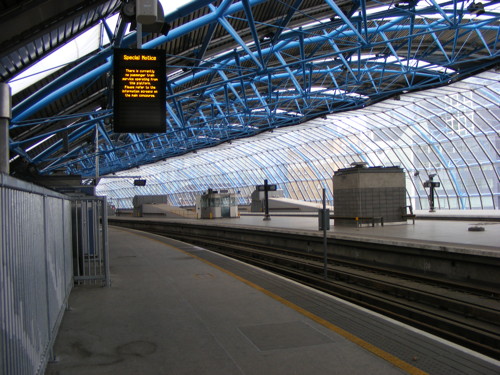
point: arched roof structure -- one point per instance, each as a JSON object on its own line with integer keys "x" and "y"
{"x": 238, "y": 68}
{"x": 452, "y": 132}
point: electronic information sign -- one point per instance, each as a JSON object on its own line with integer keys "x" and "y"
{"x": 139, "y": 91}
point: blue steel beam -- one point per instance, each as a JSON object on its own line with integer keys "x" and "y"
{"x": 180, "y": 119}
{"x": 363, "y": 17}
{"x": 18, "y": 110}
{"x": 392, "y": 26}
{"x": 108, "y": 31}
{"x": 442, "y": 12}
{"x": 74, "y": 78}
{"x": 231, "y": 87}
{"x": 60, "y": 92}
{"x": 253, "y": 30}
{"x": 61, "y": 162}
{"x": 57, "y": 131}
{"x": 121, "y": 28}
{"x": 59, "y": 144}
{"x": 346, "y": 20}
{"x": 208, "y": 36}
{"x": 287, "y": 68}
{"x": 362, "y": 69}
{"x": 283, "y": 23}
{"x": 240, "y": 41}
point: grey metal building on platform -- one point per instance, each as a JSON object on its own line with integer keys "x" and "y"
{"x": 362, "y": 192}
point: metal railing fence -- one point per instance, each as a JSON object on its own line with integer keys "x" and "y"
{"x": 90, "y": 245}
{"x": 36, "y": 273}
{"x": 48, "y": 243}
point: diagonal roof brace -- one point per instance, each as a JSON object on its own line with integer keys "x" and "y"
{"x": 240, "y": 41}
{"x": 344, "y": 18}
{"x": 253, "y": 30}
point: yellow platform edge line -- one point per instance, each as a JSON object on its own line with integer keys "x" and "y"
{"x": 410, "y": 369}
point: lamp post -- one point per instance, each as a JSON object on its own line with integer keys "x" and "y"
{"x": 432, "y": 185}
{"x": 324, "y": 224}
{"x": 266, "y": 188}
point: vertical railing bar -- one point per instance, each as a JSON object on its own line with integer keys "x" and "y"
{"x": 76, "y": 242}
{"x": 3, "y": 308}
{"x": 7, "y": 315}
{"x": 94, "y": 231}
{"x": 15, "y": 327}
{"x": 63, "y": 244}
{"x": 79, "y": 219}
{"x": 79, "y": 231}
{"x": 105, "y": 242}
{"x": 89, "y": 241}
{"x": 96, "y": 237}
{"x": 96, "y": 240}
{"x": 100, "y": 236}
{"x": 96, "y": 250}
{"x": 80, "y": 238}
{"x": 12, "y": 254}
{"x": 23, "y": 241}
{"x": 85, "y": 234}
{"x": 46, "y": 250}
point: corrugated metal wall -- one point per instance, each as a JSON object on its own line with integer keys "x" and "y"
{"x": 37, "y": 273}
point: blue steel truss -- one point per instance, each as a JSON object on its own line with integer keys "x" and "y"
{"x": 284, "y": 69}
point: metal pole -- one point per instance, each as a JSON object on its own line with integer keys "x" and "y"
{"x": 5, "y": 116}
{"x": 431, "y": 192}
{"x": 266, "y": 199}
{"x": 432, "y": 198}
{"x": 96, "y": 154}
{"x": 325, "y": 245}
{"x": 107, "y": 277}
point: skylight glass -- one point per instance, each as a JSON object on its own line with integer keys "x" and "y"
{"x": 81, "y": 46}
{"x": 170, "y": 6}
{"x": 78, "y": 48}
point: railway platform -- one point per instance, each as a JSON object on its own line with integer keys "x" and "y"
{"x": 448, "y": 229}
{"x": 175, "y": 308}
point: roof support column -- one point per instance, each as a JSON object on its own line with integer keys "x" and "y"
{"x": 5, "y": 116}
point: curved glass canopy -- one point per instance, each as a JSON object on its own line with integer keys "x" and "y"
{"x": 451, "y": 131}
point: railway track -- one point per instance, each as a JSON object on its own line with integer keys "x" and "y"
{"x": 466, "y": 314}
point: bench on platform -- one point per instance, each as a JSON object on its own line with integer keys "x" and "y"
{"x": 407, "y": 213}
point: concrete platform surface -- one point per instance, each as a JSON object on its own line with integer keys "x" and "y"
{"x": 170, "y": 310}
{"x": 446, "y": 231}
{"x": 452, "y": 234}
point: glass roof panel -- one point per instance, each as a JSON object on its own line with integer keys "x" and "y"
{"x": 443, "y": 131}
{"x": 81, "y": 46}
